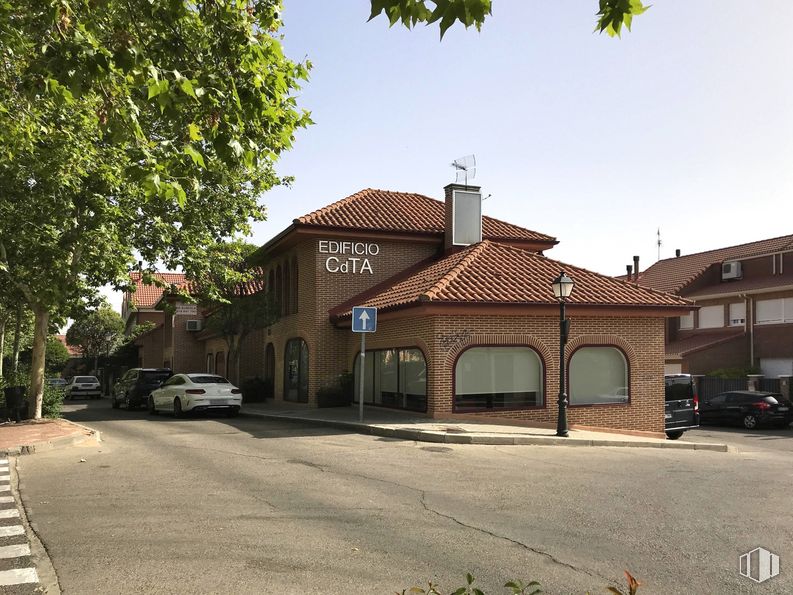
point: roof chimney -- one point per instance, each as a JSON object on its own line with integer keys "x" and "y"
{"x": 629, "y": 269}
{"x": 463, "y": 215}
{"x": 677, "y": 253}
{"x": 635, "y": 268}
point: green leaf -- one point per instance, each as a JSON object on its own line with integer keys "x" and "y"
{"x": 194, "y": 131}
{"x": 187, "y": 87}
{"x": 235, "y": 146}
{"x": 197, "y": 158}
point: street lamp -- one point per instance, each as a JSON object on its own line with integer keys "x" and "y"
{"x": 562, "y": 288}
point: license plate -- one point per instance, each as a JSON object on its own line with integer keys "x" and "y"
{"x": 668, "y": 416}
{"x": 782, "y": 408}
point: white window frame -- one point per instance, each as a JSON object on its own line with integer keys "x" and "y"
{"x": 580, "y": 389}
{"x": 737, "y": 312}
{"x": 687, "y": 321}
{"x": 713, "y": 315}
{"x": 783, "y": 311}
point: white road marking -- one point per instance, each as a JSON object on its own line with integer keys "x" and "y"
{"x": 18, "y": 576}
{"x": 5, "y": 478}
{"x": 14, "y": 551}
{"x": 3, "y": 461}
{"x": 5, "y": 488}
{"x": 9, "y": 513}
{"x": 4, "y": 467}
{"x": 12, "y": 530}
{"x": 6, "y": 499}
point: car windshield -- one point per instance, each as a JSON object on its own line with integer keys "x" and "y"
{"x": 208, "y": 380}
{"x": 86, "y": 379}
{"x": 56, "y": 381}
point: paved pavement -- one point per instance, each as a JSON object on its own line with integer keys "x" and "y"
{"x": 17, "y": 570}
{"x": 246, "y": 505}
{"x": 27, "y": 437}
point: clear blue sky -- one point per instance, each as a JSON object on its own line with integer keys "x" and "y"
{"x": 684, "y": 124}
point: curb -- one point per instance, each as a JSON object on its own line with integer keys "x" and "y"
{"x": 483, "y": 439}
{"x": 59, "y": 442}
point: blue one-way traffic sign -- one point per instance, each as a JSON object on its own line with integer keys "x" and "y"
{"x": 364, "y": 320}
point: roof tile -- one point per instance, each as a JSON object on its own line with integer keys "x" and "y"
{"x": 147, "y": 296}
{"x": 387, "y": 210}
{"x": 493, "y": 273}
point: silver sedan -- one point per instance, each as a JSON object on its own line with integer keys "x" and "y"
{"x": 195, "y": 392}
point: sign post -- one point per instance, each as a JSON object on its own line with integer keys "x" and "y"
{"x": 364, "y": 320}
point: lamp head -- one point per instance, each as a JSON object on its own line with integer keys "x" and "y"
{"x": 562, "y": 286}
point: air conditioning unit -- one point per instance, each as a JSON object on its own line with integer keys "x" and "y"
{"x": 193, "y": 325}
{"x": 731, "y": 270}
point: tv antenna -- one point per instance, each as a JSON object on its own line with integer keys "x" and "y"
{"x": 659, "y": 243}
{"x": 465, "y": 168}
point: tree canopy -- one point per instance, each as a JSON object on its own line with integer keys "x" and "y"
{"x": 611, "y": 14}
{"x": 96, "y": 332}
{"x": 138, "y": 129}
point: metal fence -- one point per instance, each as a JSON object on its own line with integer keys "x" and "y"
{"x": 770, "y": 385}
{"x": 710, "y": 386}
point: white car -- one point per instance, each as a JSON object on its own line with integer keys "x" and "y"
{"x": 82, "y": 386}
{"x": 195, "y": 392}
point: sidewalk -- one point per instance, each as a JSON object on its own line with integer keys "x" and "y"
{"x": 31, "y": 436}
{"x": 400, "y": 424}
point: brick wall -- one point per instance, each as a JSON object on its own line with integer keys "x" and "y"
{"x": 443, "y": 338}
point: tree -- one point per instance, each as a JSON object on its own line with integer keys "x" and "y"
{"x": 612, "y": 14}
{"x": 237, "y": 297}
{"x": 56, "y": 355}
{"x": 96, "y": 332}
{"x": 139, "y": 130}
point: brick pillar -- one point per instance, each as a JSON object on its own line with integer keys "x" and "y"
{"x": 753, "y": 381}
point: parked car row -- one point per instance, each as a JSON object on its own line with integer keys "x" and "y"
{"x": 159, "y": 389}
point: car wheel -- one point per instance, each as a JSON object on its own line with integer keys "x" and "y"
{"x": 177, "y": 407}
{"x": 750, "y": 421}
{"x": 113, "y": 403}
{"x": 152, "y": 408}
{"x": 674, "y": 434}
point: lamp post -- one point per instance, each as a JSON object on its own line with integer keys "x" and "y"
{"x": 562, "y": 288}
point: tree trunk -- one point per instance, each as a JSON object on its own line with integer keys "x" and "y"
{"x": 17, "y": 332}
{"x": 2, "y": 343}
{"x": 40, "y": 327}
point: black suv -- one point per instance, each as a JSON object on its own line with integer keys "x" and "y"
{"x": 750, "y": 409}
{"x": 682, "y": 404}
{"x": 134, "y": 387}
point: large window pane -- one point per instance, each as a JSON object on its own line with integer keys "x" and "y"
{"x": 498, "y": 378}
{"x": 711, "y": 317}
{"x": 770, "y": 311}
{"x": 393, "y": 378}
{"x": 296, "y": 371}
{"x": 598, "y": 375}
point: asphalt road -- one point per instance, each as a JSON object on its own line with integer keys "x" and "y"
{"x": 214, "y": 505}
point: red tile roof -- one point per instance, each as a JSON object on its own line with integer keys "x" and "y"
{"x": 493, "y": 273}
{"x": 387, "y": 210}
{"x": 673, "y": 274}
{"x": 686, "y": 345}
{"x": 73, "y": 350}
{"x": 147, "y": 296}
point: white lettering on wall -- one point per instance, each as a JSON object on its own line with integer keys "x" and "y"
{"x": 348, "y": 260}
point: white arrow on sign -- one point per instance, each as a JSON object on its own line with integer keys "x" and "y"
{"x": 364, "y": 318}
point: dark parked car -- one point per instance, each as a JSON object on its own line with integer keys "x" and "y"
{"x": 134, "y": 387}
{"x": 748, "y": 408}
{"x": 682, "y": 404}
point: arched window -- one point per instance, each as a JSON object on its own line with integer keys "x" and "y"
{"x": 279, "y": 289}
{"x": 296, "y": 371}
{"x": 210, "y": 361}
{"x": 294, "y": 285}
{"x": 498, "y": 378}
{"x": 269, "y": 371}
{"x": 287, "y": 289}
{"x": 393, "y": 378}
{"x": 598, "y": 375}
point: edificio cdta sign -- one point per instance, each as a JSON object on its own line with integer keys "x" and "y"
{"x": 348, "y": 257}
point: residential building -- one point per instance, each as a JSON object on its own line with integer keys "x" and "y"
{"x": 468, "y": 324}
{"x": 744, "y": 317}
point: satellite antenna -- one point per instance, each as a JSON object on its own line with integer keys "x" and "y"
{"x": 465, "y": 167}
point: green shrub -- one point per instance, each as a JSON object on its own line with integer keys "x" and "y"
{"x": 733, "y": 372}
{"x": 51, "y": 403}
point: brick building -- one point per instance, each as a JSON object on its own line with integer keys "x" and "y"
{"x": 744, "y": 317}
{"x": 468, "y": 324}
